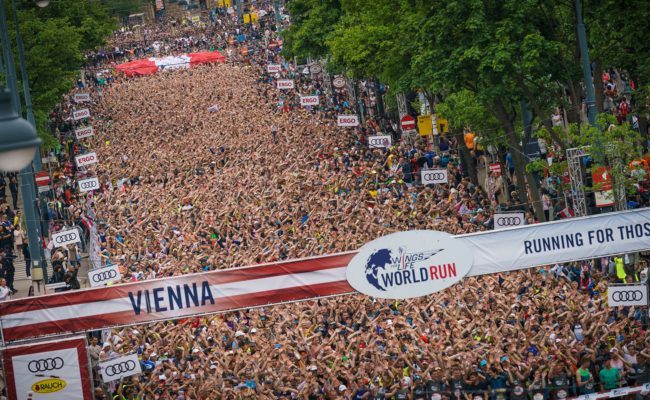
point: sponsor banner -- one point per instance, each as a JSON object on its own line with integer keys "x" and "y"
{"x": 50, "y": 370}
{"x": 177, "y": 297}
{"x": 81, "y": 114}
{"x": 627, "y": 295}
{"x": 285, "y": 84}
{"x": 347, "y": 120}
{"x": 338, "y": 82}
{"x": 119, "y": 368}
{"x": 380, "y": 141}
{"x": 66, "y": 237}
{"x": 432, "y": 176}
{"x": 81, "y": 97}
{"x": 309, "y": 100}
{"x": 559, "y": 241}
{"x": 86, "y": 131}
{"x": 273, "y": 68}
{"x": 408, "y": 264}
{"x": 315, "y": 69}
{"x": 238, "y": 288}
{"x": 86, "y": 185}
{"x": 509, "y": 220}
{"x": 86, "y": 159}
{"x": 104, "y": 276}
{"x": 496, "y": 168}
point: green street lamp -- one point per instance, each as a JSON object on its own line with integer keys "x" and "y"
{"x": 18, "y": 138}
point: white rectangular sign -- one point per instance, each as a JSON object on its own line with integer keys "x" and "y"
{"x": 66, "y": 237}
{"x": 285, "y": 84}
{"x": 86, "y": 159}
{"x": 81, "y": 97}
{"x": 273, "y": 68}
{"x": 309, "y": 100}
{"x": 120, "y": 367}
{"x": 635, "y": 294}
{"x": 86, "y": 131}
{"x": 81, "y": 114}
{"x": 380, "y": 141}
{"x": 558, "y": 241}
{"x": 103, "y": 276}
{"x": 86, "y": 185}
{"x": 432, "y": 176}
{"x": 53, "y": 374}
{"x": 347, "y": 120}
{"x": 508, "y": 220}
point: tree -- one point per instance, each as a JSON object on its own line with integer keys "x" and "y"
{"x": 312, "y": 22}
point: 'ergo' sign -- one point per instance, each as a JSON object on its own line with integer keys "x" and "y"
{"x": 86, "y": 131}
{"x": 309, "y": 100}
{"x": 285, "y": 84}
{"x": 347, "y": 120}
{"x": 86, "y": 159}
{"x": 273, "y": 68}
{"x": 81, "y": 114}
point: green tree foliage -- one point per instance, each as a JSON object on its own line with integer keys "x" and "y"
{"x": 55, "y": 39}
{"x": 312, "y": 22}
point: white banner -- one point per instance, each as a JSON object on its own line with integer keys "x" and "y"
{"x": 81, "y": 114}
{"x": 309, "y": 100}
{"x": 104, "y": 276}
{"x": 48, "y": 370}
{"x": 559, "y": 241}
{"x": 84, "y": 132}
{"x": 273, "y": 68}
{"x": 86, "y": 185}
{"x": 433, "y": 176}
{"x": 86, "y": 159}
{"x": 121, "y": 367}
{"x": 380, "y": 141}
{"x": 627, "y": 295}
{"x": 509, "y": 220}
{"x": 81, "y": 97}
{"x": 347, "y": 120}
{"x": 285, "y": 84}
{"x": 66, "y": 237}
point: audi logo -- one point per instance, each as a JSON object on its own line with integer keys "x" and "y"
{"x": 88, "y": 185}
{"x": 66, "y": 238}
{"x": 433, "y": 176}
{"x": 45, "y": 364}
{"x": 104, "y": 275}
{"x": 627, "y": 295}
{"x": 508, "y": 221}
{"x": 379, "y": 142}
{"x": 119, "y": 368}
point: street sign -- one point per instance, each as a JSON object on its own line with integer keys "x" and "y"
{"x": 42, "y": 178}
{"x": 495, "y": 168}
{"x": 408, "y": 123}
{"x": 604, "y": 192}
{"x": 425, "y": 125}
{"x": 338, "y": 82}
{"x": 635, "y": 294}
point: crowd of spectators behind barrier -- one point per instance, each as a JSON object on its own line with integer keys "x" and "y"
{"x": 257, "y": 178}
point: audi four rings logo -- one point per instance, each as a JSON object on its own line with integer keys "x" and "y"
{"x": 45, "y": 364}
{"x": 66, "y": 238}
{"x": 509, "y": 221}
{"x": 434, "y": 176}
{"x": 88, "y": 184}
{"x": 119, "y": 368}
{"x": 104, "y": 275}
{"x": 627, "y": 295}
{"x": 382, "y": 142}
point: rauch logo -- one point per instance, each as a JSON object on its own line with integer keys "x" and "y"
{"x": 409, "y": 264}
{"x": 49, "y": 385}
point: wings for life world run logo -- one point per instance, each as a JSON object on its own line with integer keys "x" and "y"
{"x": 409, "y": 264}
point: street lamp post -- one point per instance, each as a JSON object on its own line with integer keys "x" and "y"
{"x": 32, "y": 216}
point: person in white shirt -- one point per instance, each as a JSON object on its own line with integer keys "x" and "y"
{"x": 5, "y": 292}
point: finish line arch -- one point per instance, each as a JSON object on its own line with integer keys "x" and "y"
{"x": 307, "y": 279}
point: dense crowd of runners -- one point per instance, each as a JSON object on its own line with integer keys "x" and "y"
{"x": 213, "y": 167}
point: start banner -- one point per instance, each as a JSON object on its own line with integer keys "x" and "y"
{"x": 397, "y": 265}
{"x": 49, "y": 370}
